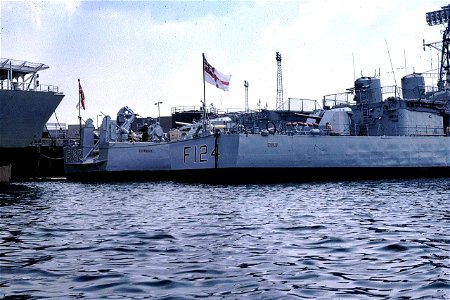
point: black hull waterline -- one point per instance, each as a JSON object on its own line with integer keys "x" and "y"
{"x": 32, "y": 162}
{"x": 263, "y": 175}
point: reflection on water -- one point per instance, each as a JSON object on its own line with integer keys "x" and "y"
{"x": 346, "y": 240}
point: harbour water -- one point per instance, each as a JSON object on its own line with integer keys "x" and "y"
{"x": 380, "y": 239}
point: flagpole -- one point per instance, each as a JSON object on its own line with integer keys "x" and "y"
{"x": 204, "y": 95}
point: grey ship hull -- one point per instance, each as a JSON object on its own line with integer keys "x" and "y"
{"x": 273, "y": 158}
{"x": 23, "y": 115}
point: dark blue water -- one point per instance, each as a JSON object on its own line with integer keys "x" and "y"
{"x": 331, "y": 240}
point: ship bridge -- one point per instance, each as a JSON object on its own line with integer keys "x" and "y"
{"x": 22, "y": 75}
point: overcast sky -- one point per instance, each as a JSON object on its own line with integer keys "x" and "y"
{"x": 136, "y": 53}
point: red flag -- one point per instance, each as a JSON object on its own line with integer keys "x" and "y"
{"x": 81, "y": 94}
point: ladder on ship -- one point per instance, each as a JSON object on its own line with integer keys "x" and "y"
{"x": 365, "y": 119}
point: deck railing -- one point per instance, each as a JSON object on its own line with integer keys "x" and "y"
{"x": 26, "y": 86}
{"x": 348, "y": 98}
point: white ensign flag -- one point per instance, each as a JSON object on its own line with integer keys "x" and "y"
{"x": 214, "y": 77}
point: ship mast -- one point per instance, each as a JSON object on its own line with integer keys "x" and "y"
{"x": 437, "y": 18}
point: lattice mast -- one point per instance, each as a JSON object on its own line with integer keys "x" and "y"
{"x": 246, "y": 95}
{"x": 280, "y": 102}
{"x": 437, "y": 18}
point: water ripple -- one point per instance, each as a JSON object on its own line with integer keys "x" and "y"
{"x": 329, "y": 240}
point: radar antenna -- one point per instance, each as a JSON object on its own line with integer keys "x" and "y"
{"x": 437, "y": 18}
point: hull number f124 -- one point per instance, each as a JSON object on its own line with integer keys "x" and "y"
{"x": 196, "y": 154}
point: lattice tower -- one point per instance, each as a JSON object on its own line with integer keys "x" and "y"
{"x": 279, "y": 82}
{"x": 437, "y": 18}
{"x": 246, "y": 95}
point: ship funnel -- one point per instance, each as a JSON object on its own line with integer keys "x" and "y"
{"x": 368, "y": 90}
{"x": 413, "y": 86}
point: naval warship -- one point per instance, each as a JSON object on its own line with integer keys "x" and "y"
{"x": 368, "y": 131}
{"x": 25, "y": 107}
